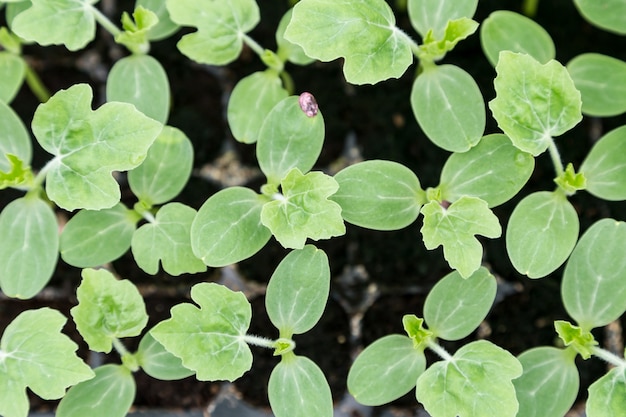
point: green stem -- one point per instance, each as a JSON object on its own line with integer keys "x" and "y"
{"x": 36, "y": 85}
{"x": 105, "y": 22}
{"x": 439, "y": 350}
{"x": 556, "y": 158}
{"x": 119, "y": 347}
{"x": 608, "y": 357}
{"x": 529, "y": 7}
{"x": 258, "y": 49}
{"x": 259, "y": 341}
{"x": 288, "y": 82}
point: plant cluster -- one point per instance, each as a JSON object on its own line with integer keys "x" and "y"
{"x": 537, "y": 99}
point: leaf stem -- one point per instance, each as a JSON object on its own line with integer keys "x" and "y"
{"x": 259, "y": 341}
{"x": 556, "y": 158}
{"x": 608, "y": 357}
{"x": 529, "y": 7}
{"x": 105, "y": 22}
{"x": 36, "y": 85}
{"x": 254, "y": 45}
{"x": 439, "y": 350}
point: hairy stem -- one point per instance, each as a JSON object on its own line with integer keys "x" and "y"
{"x": 439, "y": 350}
{"x": 608, "y": 357}
{"x": 556, "y": 158}
{"x": 105, "y": 22}
{"x": 258, "y": 49}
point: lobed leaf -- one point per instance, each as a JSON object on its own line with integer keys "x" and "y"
{"x": 158, "y": 362}
{"x": 17, "y": 175}
{"x": 165, "y": 27}
{"x": 287, "y": 50}
{"x": 434, "y": 15}
{"x": 135, "y": 30}
{"x": 15, "y": 138}
{"x": 579, "y": 339}
{"x": 604, "y": 167}
{"x": 534, "y": 102}
{"x": 12, "y": 71}
{"x": 609, "y": 14}
{"x": 435, "y": 48}
{"x": 607, "y": 396}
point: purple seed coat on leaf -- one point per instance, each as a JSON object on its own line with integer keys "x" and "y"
{"x": 308, "y": 104}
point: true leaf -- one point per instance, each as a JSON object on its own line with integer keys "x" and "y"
{"x": 15, "y": 138}
{"x": 107, "y": 309}
{"x": 136, "y": 29}
{"x": 158, "y": 362}
{"x": 367, "y": 38}
{"x": 228, "y": 228}
{"x": 209, "y": 339}
{"x": 607, "y": 396}
{"x": 604, "y": 167}
{"x": 221, "y": 27}
{"x": 298, "y": 291}
{"x": 167, "y": 239}
{"x": 505, "y": 30}
{"x": 298, "y": 388}
{"x": 12, "y": 70}
{"x": 380, "y": 195}
{"x": 434, "y": 15}
{"x": 287, "y": 50}
{"x": 549, "y": 384}
{"x": 35, "y": 354}
{"x": 304, "y": 210}
{"x": 455, "y": 228}
{"x": 109, "y": 394}
{"x": 414, "y": 328}
{"x": 593, "y": 288}
{"x": 476, "y": 381}
{"x": 17, "y": 174}
{"x": 29, "y": 251}
{"x": 386, "y": 370}
{"x": 494, "y": 171}
{"x": 534, "y": 102}
{"x": 434, "y": 48}
{"x": 609, "y": 15}
{"x": 449, "y": 107}
{"x": 541, "y": 233}
{"x": 92, "y": 238}
{"x": 165, "y": 27}
{"x": 455, "y": 306}
{"x": 88, "y": 145}
{"x": 581, "y": 340}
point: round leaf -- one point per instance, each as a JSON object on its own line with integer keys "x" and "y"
{"x": 541, "y": 233}
{"x": 593, "y": 288}
{"x": 607, "y": 396}
{"x": 604, "y": 167}
{"x": 12, "y": 70}
{"x": 449, "y": 107}
{"x": 15, "y": 138}
{"x": 158, "y": 362}
{"x": 608, "y": 14}
{"x": 435, "y": 14}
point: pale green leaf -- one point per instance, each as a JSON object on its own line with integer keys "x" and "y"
{"x": 167, "y": 240}
{"x": 455, "y": 306}
{"x": 449, "y": 107}
{"x": 289, "y": 139}
{"x": 15, "y": 138}
{"x": 92, "y": 238}
{"x": 476, "y": 381}
{"x": 165, "y": 27}
{"x": 15, "y": 7}
{"x": 298, "y": 291}
{"x": 221, "y": 27}
{"x": 107, "y": 309}
{"x": 593, "y": 289}
{"x": 541, "y": 233}
{"x": 209, "y": 339}
{"x": 298, "y": 388}
{"x": 29, "y": 256}
{"x": 141, "y": 81}
{"x": 434, "y": 48}
{"x": 604, "y": 167}
{"x": 505, "y": 30}
{"x": 380, "y": 195}
{"x": 607, "y": 14}
{"x": 68, "y": 22}
{"x": 251, "y": 101}
{"x": 12, "y": 70}
{"x": 158, "y": 362}
{"x": 455, "y": 228}
{"x": 135, "y": 31}
{"x": 35, "y": 354}
{"x": 534, "y": 102}
{"x": 303, "y": 210}
{"x": 434, "y": 15}
{"x": 289, "y": 51}
{"x": 549, "y": 385}
{"x": 366, "y": 36}
{"x": 386, "y": 370}
{"x": 228, "y": 228}
{"x": 109, "y": 394}
{"x": 607, "y": 396}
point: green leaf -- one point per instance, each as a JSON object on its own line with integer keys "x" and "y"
{"x": 12, "y": 70}
{"x": 289, "y": 51}
{"x": 496, "y": 182}
{"x": 582, "y": 341}
{"x": 166, "y": 169}
{"x": 289, "y": 139}
{"x": 435, "y": 48}
{"x": 221, "y": 26}
{"x": 605, "y": 166}
{"x": 380, "y": 195}
{"x": 158, "y": 362}
{"x": 609, "y": 14}
{"x": 88, "y": 145}
{"x": 534, "y": 102}
{"x": 107, "y": 309}
{"x": 298, "y": 291}
{"x": 414, "y": 328}
{"x": 434, "y": 15}
{"x": 209, "y": 339}
{"x": 9, "y": 41}
{"x": 29, "y": 256}
{"x": 571, "y": 181}
{"x": 607, "y": 396}
{"x": 601, "y": 80}
{"x": 228, "y": 228}
{"x": 386, "y": 370}
{"x": 141, "y": 81}
{"x": 298, "y": 388}
{"x": 367, "y": 38}
{"x": 35, "y": 354}
{"x": 541, "y": 233}
{"x": 61, "y": 22}
{"x": 505, "y": 30}
{"x": 93, "y": 238}
{"x": 167, "y": 239}
{"x": 549, "y": 385}
{"x": 476, "y": 381}
{"x": 136, "y": 29}
{"x": 17, "y": 175}
{"x": 593, "y": 288}
{"x": 251, "y": 101}
{"x": 15, "y": 138}
{"x": 449, "y": 107}
{"x": 304, "y": 210}
{"x": 109, "y": 394}
{"x": 455, "y": 306}
{"x": 165, "y": 27}
{"x": 455, "y": 227}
